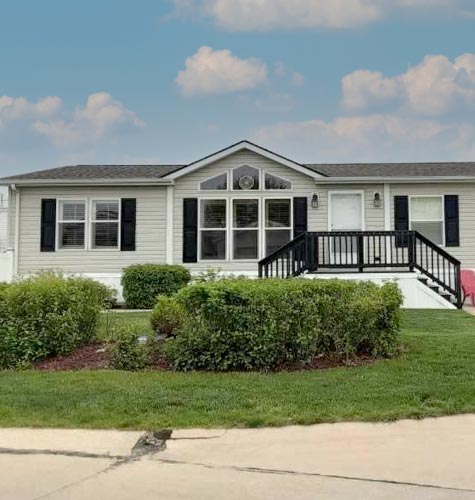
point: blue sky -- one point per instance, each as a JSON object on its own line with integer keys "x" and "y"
{"x": 171, "y": 81}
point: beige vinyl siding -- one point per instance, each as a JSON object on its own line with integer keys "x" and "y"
{"x": 150, "y": 231}
{"x": 466, "y": 192}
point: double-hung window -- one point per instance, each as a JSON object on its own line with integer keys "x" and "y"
{"x": 278, "y": 223}
{"x": 427, "y": 217}
{"x": 105, "y": 224}
{"x": 245, "y": 229}
{"x": 213, "y": 229}
{"x": 71, "y": 224}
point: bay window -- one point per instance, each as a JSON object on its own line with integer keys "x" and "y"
{"x": 426, "y": 215}
{"x": 71, "y": 224}
{"x": 105, "y": 224}
{"x": 213, "y": 229}
{"x": 278, "y": 224}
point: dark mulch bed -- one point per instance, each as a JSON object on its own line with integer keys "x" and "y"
{"x": 97, "y": 356}
{"x": 89, "y": 357}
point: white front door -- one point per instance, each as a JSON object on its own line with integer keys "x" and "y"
{"x": 345, "y": 214}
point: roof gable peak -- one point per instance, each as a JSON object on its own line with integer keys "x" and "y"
{"x": 237, "y": 147}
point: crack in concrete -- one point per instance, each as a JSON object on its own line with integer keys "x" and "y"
{"x": 149, "y": 442}
{"x": 260, "y": 470}
{"x": 64, "y": 453}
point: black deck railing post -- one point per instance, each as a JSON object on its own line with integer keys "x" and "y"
{"x": 360, "y": 250}
{"x": 411, "y": 251}
{"x": 458, "y": 287}
{"x": 310, "y": 252}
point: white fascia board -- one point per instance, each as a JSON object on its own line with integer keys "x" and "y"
{"x": 239, "y": 147}
{"x": 87, "y": 182}
{"x": 393, "y": 180}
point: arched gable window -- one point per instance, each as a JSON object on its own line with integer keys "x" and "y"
{"x": 217, "y": 183}
{"x": 274, "y": 182}
{"x": 245, "y": 178}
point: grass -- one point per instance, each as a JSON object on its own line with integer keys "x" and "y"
{"x": 434, "y": 376}
{"x": 112, "y": 320}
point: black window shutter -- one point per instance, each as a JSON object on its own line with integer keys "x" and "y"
{"x": 401, "y": 219}
{"x": 190, "y": 230}
{"x": 452, "y": 229}
{"x": 48, "y": 225}
{"x": 128, "y": 224}
{"x": 300, "y": 216}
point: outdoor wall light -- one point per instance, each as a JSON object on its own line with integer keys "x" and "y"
{"x": 315, "y": 200}
{"x": 377, "y": 200}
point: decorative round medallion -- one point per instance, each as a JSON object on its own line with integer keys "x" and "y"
{"x": 246, "y": 182}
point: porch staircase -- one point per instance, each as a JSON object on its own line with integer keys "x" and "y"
{"x": 375, "y": 251}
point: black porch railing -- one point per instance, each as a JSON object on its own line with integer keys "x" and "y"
{"x": 315, "y": 252}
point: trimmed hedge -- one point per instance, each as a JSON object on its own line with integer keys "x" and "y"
{"x": 167, "y": 316}
{"x": 47, "y": 315}
{"x": 267, "y": 324}
{"x": 144, "y": 283}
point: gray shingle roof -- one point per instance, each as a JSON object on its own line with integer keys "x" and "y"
{"x": 150, "y": 172}
{"x": 90, "y": 172}
{"x": 449, "y": 169}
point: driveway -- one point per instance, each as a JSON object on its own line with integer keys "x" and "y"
{"x": 428, "y": 459}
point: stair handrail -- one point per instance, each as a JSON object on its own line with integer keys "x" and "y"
{"x": 457, "y": 289}
{"x": 284, "y": 249}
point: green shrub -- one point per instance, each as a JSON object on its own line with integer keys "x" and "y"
{"x": 266, "y": 324}
{"x": 127, "y": 353}
{"x": 144, "y": 283}
{"x": 47, "y": 315}
{"x": 167, "y": 316}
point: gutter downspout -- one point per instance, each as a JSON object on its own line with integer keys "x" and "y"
{"x": 16, "y": 249}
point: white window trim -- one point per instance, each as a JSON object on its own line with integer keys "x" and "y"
{"x": 442, "y": 201}
{"x": 276, "y": 190}
{"x": 59, "y": 221}
{"x": 215, "y": 190}
{"x": 231, "y": 179}
{"x": 264, "y": 226}
{"x": 92, "y": 220}
{"x": 225, "y": 229}
{"x": 258, "y": 228}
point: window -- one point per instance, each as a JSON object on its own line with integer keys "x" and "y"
{"x": 274, "y": 182}
{"x": 105, "y": 224}
{"x": 218, "y": 183}
{"x": 278, "y": 224}
{"x": 71, "y": 224}
{"x": 213, "y": 229}
{"x": 245, "y": 178}
{"x": 245, "y": 229}
{"x": 427, "y": 217}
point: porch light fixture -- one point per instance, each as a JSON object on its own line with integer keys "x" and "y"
{"x": 314, "y": 200}
{"x": 377, "y": 200}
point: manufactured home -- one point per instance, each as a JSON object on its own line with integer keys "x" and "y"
{"x": 247, "y": 210}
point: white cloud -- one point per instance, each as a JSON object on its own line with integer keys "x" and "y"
{"x": 19, "y": 108}
{"x": 428, "y": 115}
{"x": 362, "y": 87}
{"x": 436, "y": 86}
{"x": 263, "y": 15}
{"x": 101, "y": 116}
{"x": 218, "y": 72}
{"x": 371, "y": 138}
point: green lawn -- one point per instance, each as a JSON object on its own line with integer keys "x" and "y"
{"x": 111, "y": 320}
{"x": 435, "y": 376}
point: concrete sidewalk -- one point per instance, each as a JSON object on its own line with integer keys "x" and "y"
{"x": 429, "y": 459}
